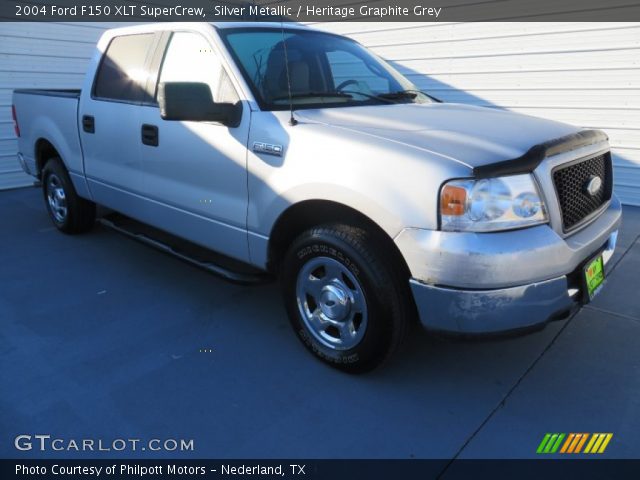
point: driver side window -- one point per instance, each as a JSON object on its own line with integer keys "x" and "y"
{"x": 189, "y": 58}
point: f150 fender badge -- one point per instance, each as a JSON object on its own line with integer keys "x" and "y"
{"x": 268, "y": 148}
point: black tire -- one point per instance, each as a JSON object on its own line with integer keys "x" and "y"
{"x": 362, "y": 268}
{"x": 68, "y": 212}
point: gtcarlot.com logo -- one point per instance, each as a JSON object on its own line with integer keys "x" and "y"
{"x": 44, "y": 443}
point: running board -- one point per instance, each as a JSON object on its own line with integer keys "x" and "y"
{"x": 234, "y": 271}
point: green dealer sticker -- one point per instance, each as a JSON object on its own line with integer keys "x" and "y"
{"x": 594, "y": 276}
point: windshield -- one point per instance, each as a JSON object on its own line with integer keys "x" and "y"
{"x": 324, "y": 70}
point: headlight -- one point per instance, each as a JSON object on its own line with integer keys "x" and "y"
{"x": 491, "y": 204}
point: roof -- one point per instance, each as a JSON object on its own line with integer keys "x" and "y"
{"x": 197, "y": 26}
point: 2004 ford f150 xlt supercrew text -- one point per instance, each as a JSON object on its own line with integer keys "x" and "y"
{"x": 259, "y": 148}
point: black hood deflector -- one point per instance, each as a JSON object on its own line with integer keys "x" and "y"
{"x": 528, "y": 162}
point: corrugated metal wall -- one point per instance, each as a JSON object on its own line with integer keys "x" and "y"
{"x": 587, "y": 74}
{"x": 38, "y": 55}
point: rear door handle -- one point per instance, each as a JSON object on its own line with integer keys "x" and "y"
{"x": 88, "y": 124}
{"x": 150, "y": 135}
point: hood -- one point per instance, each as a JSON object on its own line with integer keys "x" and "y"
{"x": 472, "y": 135}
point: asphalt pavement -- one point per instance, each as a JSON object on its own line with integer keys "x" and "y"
{"x": 105, "y": 338}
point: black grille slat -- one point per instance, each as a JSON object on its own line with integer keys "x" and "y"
{"x": 570, "y": 181}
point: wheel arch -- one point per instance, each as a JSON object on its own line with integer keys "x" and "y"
{"x": 43, "y": 151}
{"x": 307, "y": 214}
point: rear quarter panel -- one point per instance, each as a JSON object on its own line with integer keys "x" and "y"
{"x": 51, "y": 118}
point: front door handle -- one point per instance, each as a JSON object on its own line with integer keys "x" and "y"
{"x": 150, "y": 135}
{"x": 88, "y": 124}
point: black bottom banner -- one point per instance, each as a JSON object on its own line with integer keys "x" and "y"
{"x": 320, "y": 469}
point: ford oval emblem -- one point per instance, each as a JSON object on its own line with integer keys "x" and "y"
{"x": 593, "y": 186}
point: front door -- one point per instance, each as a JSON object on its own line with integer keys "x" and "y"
{"x": 195, "y": 172}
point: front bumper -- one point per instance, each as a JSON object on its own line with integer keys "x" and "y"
{"x": 482, "y": 283}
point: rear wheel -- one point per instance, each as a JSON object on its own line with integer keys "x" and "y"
{"x": 69, "y": 212}
{"x": 346, "y": 303}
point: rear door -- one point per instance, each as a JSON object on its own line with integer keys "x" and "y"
{"x": 195, "y": 172}
{"x": 109, "y": 122}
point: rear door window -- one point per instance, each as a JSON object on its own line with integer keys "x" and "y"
{"x": 122, "y": 75}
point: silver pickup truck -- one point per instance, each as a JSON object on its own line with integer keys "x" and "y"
{"x": 300, "y": 154}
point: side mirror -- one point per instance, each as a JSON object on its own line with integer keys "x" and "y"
{"x": 192, "y": 101}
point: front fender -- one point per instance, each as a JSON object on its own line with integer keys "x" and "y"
{"x": 394, "y": 184}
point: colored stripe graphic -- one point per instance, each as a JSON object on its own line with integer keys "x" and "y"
{"x": 567, "y": 443}
{"x": 577, "y": 437}
{"x": 581, "y": 443}
{"x": 573, "y": 443}
{"x": 550, "y": 443}
{"x": 605, "y": 443}
{"x": 598, "y": 443}
{"x": 543, "y": 443}
{"x": 591, "y": 442}
{"x": 556, "y": 445}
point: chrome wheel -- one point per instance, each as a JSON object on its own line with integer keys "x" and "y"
{"x": 331, "y": 303}
{"x": 56, "y": 198}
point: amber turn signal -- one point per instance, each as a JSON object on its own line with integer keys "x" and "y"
{"x": 453, "y": 200}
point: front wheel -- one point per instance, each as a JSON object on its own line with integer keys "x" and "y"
{"x": 346, "y": 303}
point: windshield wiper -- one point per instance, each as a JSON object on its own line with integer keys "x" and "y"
{"x": 399, "y": 95}
{"x": 314, "y": 95}
{"x": 411, "y": 94}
